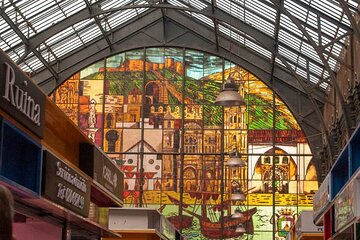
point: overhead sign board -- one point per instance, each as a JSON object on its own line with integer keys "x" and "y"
{"x": 21, "y": 97}
{"x": 321, "y": 200}
{"x": 64, "y": 185}
{"x": 97, "y": 165}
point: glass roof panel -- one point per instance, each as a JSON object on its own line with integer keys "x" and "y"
{"x": 177, "y": 3}
{"x": 301, "y": 72}
{"x": 295, "y": 9}
{"x": 316, "y": 69}
{"x": 236, "y": 10}
{"x": 314, "y": 79}
{"x": 353, "y": 4}
{"x": 278, "y": 61}
{"x": 13, "y": 55}
{"x": 328, "y": 27}
{"x": 48, "y": 56}
{"x": 3, "y": 25}
{"x": 330, "y": 8}
{"x": 82, "y": 24}
{"x": 262, "y": 8}
{"x": 302, "y": 62}
{"x": 288, "y": 54}
{"x": 17, "y": 52}
{"x": 204, "y": 19}
{"x": 105, "y": 5}
{"x": 10, "y": 38}
{"x": 197, "y": 4}
{"x": 314, "y": 35}
{"x": 120, "y": 17}
{"x": 309, "y": 51}
{"x": 34, "y": 63}
{"x": 89, "y": 33}
{"x": 335, "y": 49}
{"x": 288, "y": 25}
{"x": 289, "y": 39}
{"x": 260, "y": 23}
{"x": 66, "y": 45}
{"x": 233, "y": 33}
{"x": 312, "y": 20}
{"x": 332, "y": 62}
{"x": 61, "y": 35}
{"x": 35, "y": 16}
{"x": 258, "y": 48}
{"x": 141, "y": 10}
{"x": 32, "y": 17}
{"x": 323, "y": 85}
{"x": 25, "y": 67}
{"x": 255, "y": 13}
{"x": 71, "y": 7}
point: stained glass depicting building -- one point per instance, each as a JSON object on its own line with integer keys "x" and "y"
{"x": 152, "y": 110}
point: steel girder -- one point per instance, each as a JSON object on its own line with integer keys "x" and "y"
{"x": 328, "y": 69}
{"x": 214, "y": 13}
{"x": 189, "y": 34}
{"x": 98, "y": 23}
{"x": 27, "y": 43}
{"x": 139, "y": 32}
{"x": 211, "y": 11}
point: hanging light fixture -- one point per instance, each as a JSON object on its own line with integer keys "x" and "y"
{"x": 238, "y": 214}
{"x": 235, "y": 160}
{"x": 238, "y": 195}
{"x": 229, "y": 95}
{"x": 240, "y": 229}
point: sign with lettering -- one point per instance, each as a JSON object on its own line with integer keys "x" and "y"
{"x": 321, "y": 200}
{"x": 305, "y": 224}
{"x": 344, "y": 207}
{"x": 64, "y": 185}
{"x": 96, "y": 164}
{"x": 20, "y": 97}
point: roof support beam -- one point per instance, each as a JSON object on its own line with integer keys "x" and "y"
{"x": 98, "y": 49}
{"x": 261, "y": 68}
{"x": 316, "y": 108}
{"x": 190, "y": 34}
{"x": 25, "y": 40}
{"x": 41, "y": 37}
{"x": 220, "y": 15}
{"x": 351, "y": 18}
{"x": 269, "y": 20}
{"x": 98, "y": 23}
{"x": 335, "y": 40}
{"x": 272, "y": 48}
{"x": 280, "y": 6}
{"x": 216, "y": 25}
{"x": 127, "y": 30}
{"x": 277, "y": 30}
{"x": 324, "y": 16}
{"x": 327, "y": 68}
{"x": 211, "y": 11}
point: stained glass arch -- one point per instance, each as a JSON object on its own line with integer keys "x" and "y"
{"x": 153, "y": 109}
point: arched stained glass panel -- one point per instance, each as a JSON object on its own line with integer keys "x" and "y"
{"x": 155, "y": 108}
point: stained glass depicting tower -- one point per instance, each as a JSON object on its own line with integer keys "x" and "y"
{"x": 152, "y": 110}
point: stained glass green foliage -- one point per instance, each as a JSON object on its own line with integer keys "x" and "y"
{"x": 118, "y": 87}
{"x": 212, "y": 115}
{"x": 260, "y": 117}
{"x": 171, "y": 75}
{"x": 157, "y": 106}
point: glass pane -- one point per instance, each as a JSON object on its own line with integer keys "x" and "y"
{"x": 145, "y": 114}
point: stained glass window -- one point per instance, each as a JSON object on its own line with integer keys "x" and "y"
{"x": 152, "y": 110}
